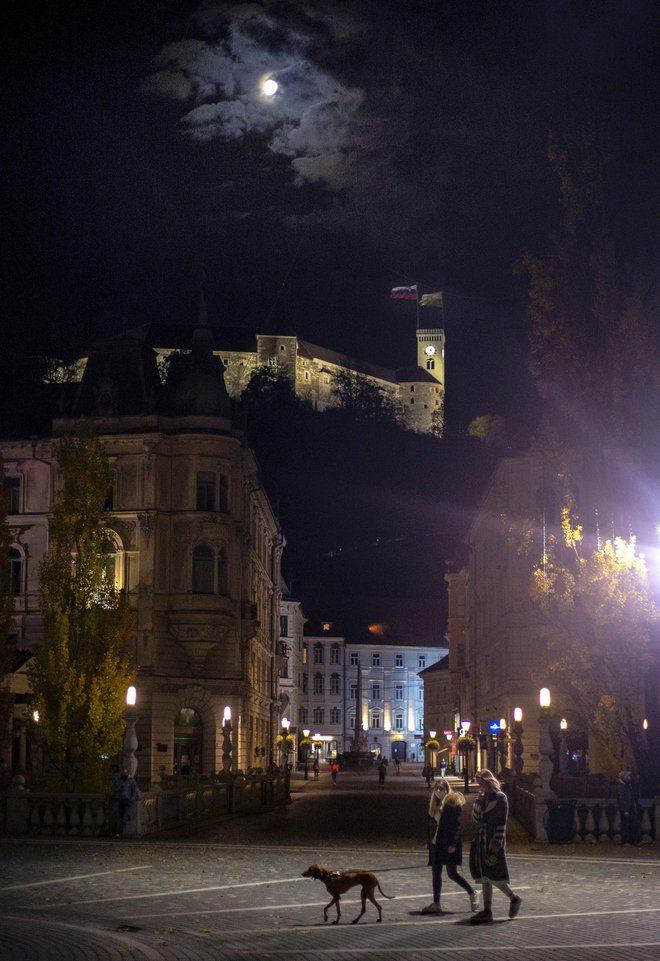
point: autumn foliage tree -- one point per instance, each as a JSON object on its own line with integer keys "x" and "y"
{"x": 600, "y": 645}
{"x": 79, "y": 674}
{"x": 593, "y": 348}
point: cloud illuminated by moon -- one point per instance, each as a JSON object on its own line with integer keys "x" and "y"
{"x": 219, "y": 76}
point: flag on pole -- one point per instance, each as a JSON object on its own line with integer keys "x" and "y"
{"x": 404, "y": 293}
{"x": 431, "y": 300}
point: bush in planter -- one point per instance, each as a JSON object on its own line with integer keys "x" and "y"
{"x": 466, "y": 743}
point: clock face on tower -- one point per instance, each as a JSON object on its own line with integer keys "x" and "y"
{"x": 430, "y": 350}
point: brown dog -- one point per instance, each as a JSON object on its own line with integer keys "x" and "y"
{"x": 339, "y": 882}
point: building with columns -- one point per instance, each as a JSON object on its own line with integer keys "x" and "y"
{"x": 198, "y": 552}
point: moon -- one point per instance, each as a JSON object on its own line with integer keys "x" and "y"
{"x": 270, "y": 87}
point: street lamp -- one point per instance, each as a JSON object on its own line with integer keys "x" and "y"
{"x": 226, "y": 741}
{"x": 502, "y": 745}
{"x": 517, "y": 731}
{"x": 306, "y": 743}
{"x": 130, "y": 737}
{"x": 466, "y": 725}
{"x": 545, "y": 743}
{"x": 563, "y": 746}
{"x": 432, "y": 750}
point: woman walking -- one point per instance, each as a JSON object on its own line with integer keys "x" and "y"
{"x": 445, "y": 844}
{"x": 487, "y": 853}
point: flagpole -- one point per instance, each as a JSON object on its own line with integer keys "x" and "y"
{"x": 417, "y": 303}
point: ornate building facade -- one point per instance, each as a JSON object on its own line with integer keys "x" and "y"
{"x": 198, "y": 552}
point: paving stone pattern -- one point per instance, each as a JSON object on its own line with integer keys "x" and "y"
{"x": 234, "y": 890}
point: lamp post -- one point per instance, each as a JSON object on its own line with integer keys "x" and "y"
{"x": 227, "y": 746}
{"x": 545, "y": 743}
{"x": 502, "y": 745}
{"x": 466, "y": 725}
{"x": 517, "y": 732}
{"x": 306, "y": 743}
{"x": 130, "y": 737}
{"x": 432, "y": 751}
{"x": 563, "y": 746}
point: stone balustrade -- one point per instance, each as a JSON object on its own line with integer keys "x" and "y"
{"x": 47, "y": 814}
{"x": 578, "y": 820}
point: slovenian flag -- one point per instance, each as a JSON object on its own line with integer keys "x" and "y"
{"x": 404, "y": 293}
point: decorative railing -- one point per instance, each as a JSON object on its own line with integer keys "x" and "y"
{"x": 577, "y": 820}
{"x": 46, "y": 814}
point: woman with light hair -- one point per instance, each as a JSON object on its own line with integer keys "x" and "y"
{"x": 487, "y": 853}
{"x": 445, "y": 843}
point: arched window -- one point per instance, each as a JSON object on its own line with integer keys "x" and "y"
{"x": 202, "y": 570}
{"x": 15, "y": 571}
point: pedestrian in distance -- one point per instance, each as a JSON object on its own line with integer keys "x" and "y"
{"x": 316, "y": 768}
{"x": 445, "y": 846}
{"x": 443, "y": 767}
{"x": 124, "y": 793}
{"x": 488, "y": 849}
{"x": 628, "y": 804}
{"x": 334, "y": 771}
{"x": 397, "y": 765}
{"x": 427, "y": 772}
{"x": 382, "y": 771}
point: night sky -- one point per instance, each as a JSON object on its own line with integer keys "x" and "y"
{"x": 407, "y": 143}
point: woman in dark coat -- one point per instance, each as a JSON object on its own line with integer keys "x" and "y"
{"x": 488, "y": 850}
{"x": 445, "y": 843}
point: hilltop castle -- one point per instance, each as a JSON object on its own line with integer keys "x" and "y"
{"x": 417, "y": 390}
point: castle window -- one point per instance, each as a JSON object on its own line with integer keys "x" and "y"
{"x": 421, "y": 660}
{"x": 306, "y": 375}
{"x": 318, "y": 654}
{"x": 375, "y": 659}
{"x": 335, "y": 715}
{"x": 334, "y": 654}
{"x": 318, "y": 715}
{"x": 398, "y": 660}
{"x": 335, "y": 684}
{"x": 272, "y": 361}
{"x": 319, "y": 685}
{"x": 355, "y": 658}
{"x": 282, "y": 347}
{"x": 430, "y": 365}
{"x": 412, "y": 389}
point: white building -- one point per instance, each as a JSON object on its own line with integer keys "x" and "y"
{"x": 392, "y": 708}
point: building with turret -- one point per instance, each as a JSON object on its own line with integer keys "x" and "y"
{"x": 197, "y": 550}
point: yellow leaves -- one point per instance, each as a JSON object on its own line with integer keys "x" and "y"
{"x": 572, "y": 532}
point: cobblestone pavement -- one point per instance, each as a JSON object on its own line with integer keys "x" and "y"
{"x": 235, "y": 890}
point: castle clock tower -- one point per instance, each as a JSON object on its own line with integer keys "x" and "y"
{"x": 431, "y": 352}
